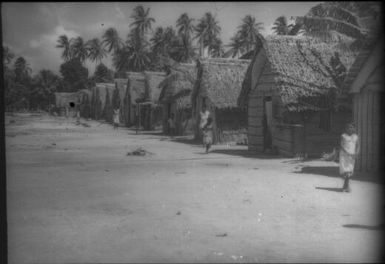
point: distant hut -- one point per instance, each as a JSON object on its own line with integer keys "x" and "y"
{"x": 218, "y": 84}
{"x": 144, "y": 96}
{"x": 294, "y": 98}
{"x": 175, "y": 97}
{"x": 365, "y": 81}
{"x": 66, "y": 103}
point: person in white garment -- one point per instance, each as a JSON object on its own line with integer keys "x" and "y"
{"x": 116, "y": 118}
{"x": 204, "y": 115}
{"x": 349, "y": 149}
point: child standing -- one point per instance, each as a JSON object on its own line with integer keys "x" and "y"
{"x": 171, "y": 125}
{"x": 208, "y": 134}
{"x": 116, "y": 118}
{"x": 349, "y": 149}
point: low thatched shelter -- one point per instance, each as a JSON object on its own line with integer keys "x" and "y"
{"x": 175, "y": 97}
{"x": 365, "y": 82}
{"x": 293, "y": 92}
{"x": 144, "y": 96}
{"x": 218, "y": 84}
{"x": 66, "y": 103}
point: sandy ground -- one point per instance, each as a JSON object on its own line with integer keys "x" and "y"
{"x": 75, "y": 196}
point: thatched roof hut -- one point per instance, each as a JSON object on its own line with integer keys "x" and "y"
{"x": 300, "y": 69}
{"x": 105, "y": 88}
{"x": 220, "y": 80}
{"x": 178, "y": 85}
{"x": 136, "y": 86}
{"x": 64, "y": 99}
{"x": 153, "y": 79}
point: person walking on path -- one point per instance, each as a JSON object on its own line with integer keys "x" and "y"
{"x": 349, "y": 148}
{"x": 171, "y": 125}
{"x": 208, "y": 134}
{"x": 116, "y": 118}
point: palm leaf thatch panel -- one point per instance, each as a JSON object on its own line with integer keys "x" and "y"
{"x": 178, "y": 85}
{"x": 221, "y": 81}
{"x": 103, "y": 87}
{"x": 63, "y": 99}
{"x": 136, "y": 86}
{"x": 153, "y": 79}
{"x": 121, "y": 85}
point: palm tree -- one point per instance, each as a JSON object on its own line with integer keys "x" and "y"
{"x": 207, "y": 31}
{"x": 216, "y": 48}
{"x": 158, "y": 40}
{"x": 142, "y": 20}
{"x": 249, "y": 32}
{"x": 46, "y": 83}
{"x": 236, "y": 45}
{"x": 333, "y": 21}
{"x": 7, "y": 55}
{"x": 96, "y": 51}
{"x": 185, "y": 26}
{"x": 79, "y": 49}
{"x": 21, "y": 68}
{"x": 185, "y": 30}
{"x": 65, "y": 43}
{"x": 121, "y": 57}
{"x": 111, "y": 40}
{"x": 138, "y": 56}
{"x": 281, "y": 26}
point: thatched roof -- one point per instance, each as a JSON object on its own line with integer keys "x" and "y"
{"x": 103, "y": 87}
{"x": 302, "y": 68}
{"x": 63, "y": 99}
{"x": 136, "y": 85}
{"x": 153, "y": 79}
{"x": 221, "y": 80}
{"x": 144, "y": 85}
{"x": 178, "y": 85}
{"x": 84, "y": 95}
{"x": 121, "y": 84}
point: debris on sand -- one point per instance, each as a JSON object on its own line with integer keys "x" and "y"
{"x": 85, "y": 125}
{"x": 235, "y": 257}
{"x": 178, "y": 213}
{"x": 221, "y": 235}
{"x": 139, "y": 152}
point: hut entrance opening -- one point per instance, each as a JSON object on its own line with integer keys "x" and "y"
{"x": 267, "y": 121}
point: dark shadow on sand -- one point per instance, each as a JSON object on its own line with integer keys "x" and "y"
{"x": 329, "y": 189}
{"x": 333, "y": 171}
{"x": 367, "y": 227}
{"x": 245, "y": 153}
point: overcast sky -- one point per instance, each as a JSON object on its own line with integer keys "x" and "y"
{"x": 32, "y": 29}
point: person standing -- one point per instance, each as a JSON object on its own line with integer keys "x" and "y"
{"x": 171, "y": 125}
{"x": 208, "y": 134}
{"x": 116, "y": 118}
{"x": 349, "y": 149}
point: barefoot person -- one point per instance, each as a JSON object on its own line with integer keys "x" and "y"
{"x": 349, "y": 149}
{"x": 116, "y": 118}
{"x": 171, "y": 125}
{"x": 208, "y": 134}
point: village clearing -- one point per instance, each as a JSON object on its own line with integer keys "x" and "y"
{"x": 74, "y": 195}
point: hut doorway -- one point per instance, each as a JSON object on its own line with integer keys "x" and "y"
{"x": 267, "y": 121}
